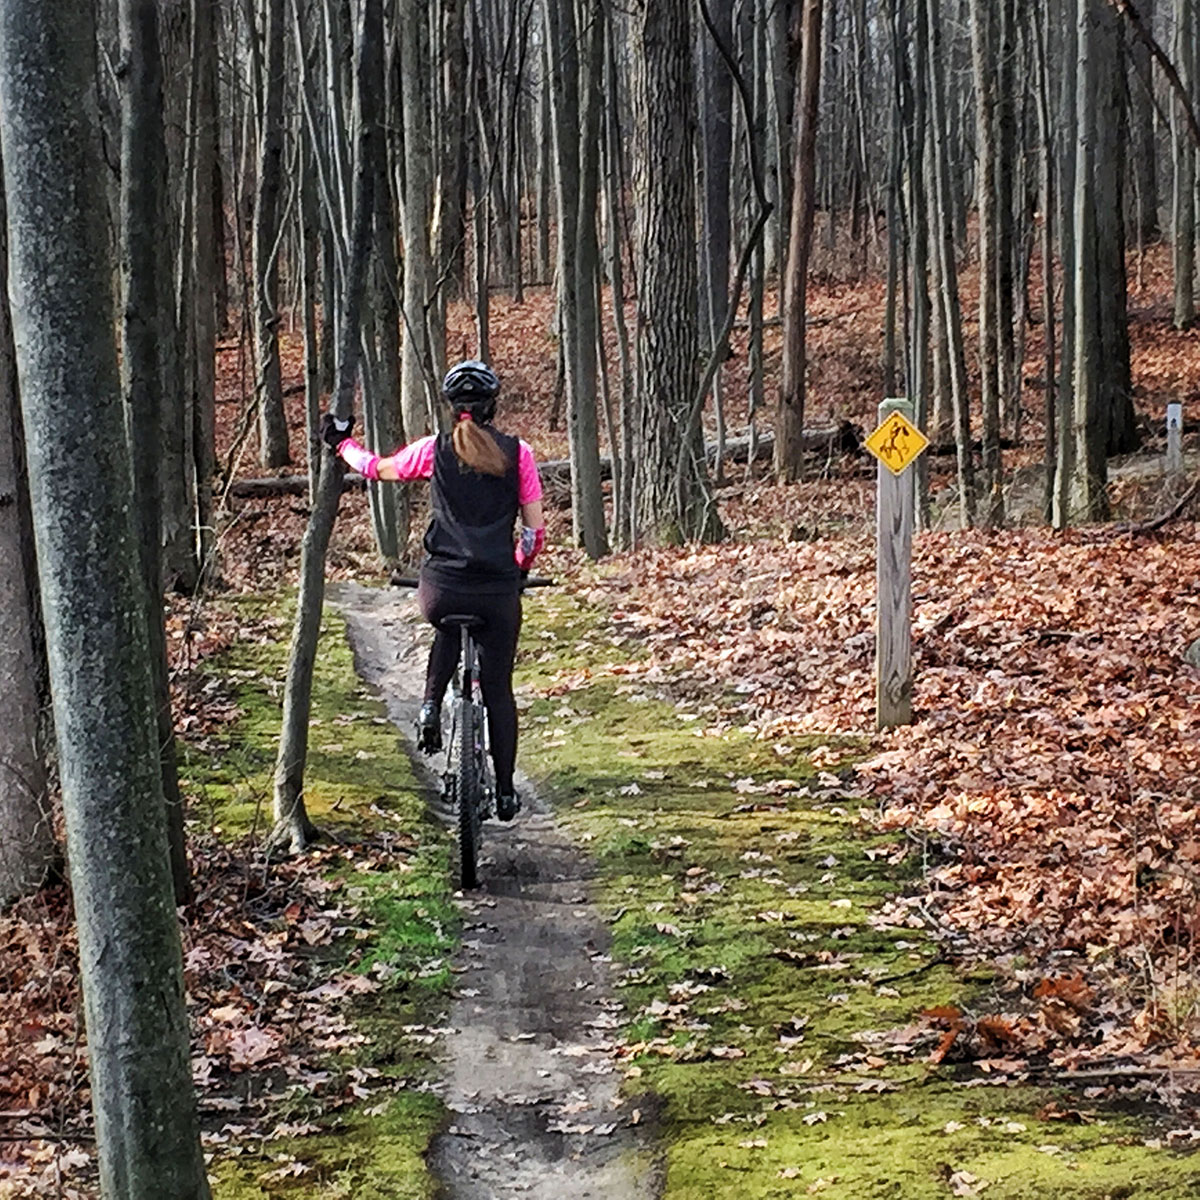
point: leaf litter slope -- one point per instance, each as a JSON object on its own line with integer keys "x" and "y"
{"x": 1050, "y": 772}
{"x": 779, "y": 1019}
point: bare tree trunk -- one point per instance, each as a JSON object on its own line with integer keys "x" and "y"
{"x": 983, "y": 56}
{"x": 623, "y": 479}
{"x": 1145, "y": 149}
{"x": 310, "y": 242}
{"x": 913, "y": 117}
{"x": 780, "y": 94}
{"x": 545, "y": 171}
{"x": 752, "y": 37}
{"x": 98, "y": 646}
{"x": 1118, "y": 434}
{"x": 208, "y": 253}
{"x": 418, "y": 354}
{"x": 148, "y": 333}
{"x": 27, "y": 847}
{"x": 789, "y": 455}
{"x": 575, "y": 120}
{"x": 1183, "y": 203}
{"x": 293, "y": 830}
{"x": 382, "y": 419}
{"x": 1009, "y": 155}
{"x": 943, "y": 241}
{"x": 1081, "y": 494}
{"x": 452, "y": 150}
{"x": 175, "y": 452}
{"x": 582, "y": 401}
{"x": 716, "y": 96}
{"x": 1049, "y": 208}
{"x": 272, "y": 423}
{"x": 671, "y": 506}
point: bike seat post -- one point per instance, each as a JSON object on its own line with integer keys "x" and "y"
{"x": 465, "y": 622}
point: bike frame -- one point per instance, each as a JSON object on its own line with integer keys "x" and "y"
{"x": 467, "y": 783}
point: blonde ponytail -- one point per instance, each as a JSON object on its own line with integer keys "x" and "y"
{"x": 477, "y": 449}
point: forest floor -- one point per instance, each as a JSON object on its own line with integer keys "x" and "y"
{"x": 952, "y": 958}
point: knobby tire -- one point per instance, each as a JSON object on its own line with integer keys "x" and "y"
{"x": 469, "y": 799}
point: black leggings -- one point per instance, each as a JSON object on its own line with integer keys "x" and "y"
{"x": 497, "y": 642}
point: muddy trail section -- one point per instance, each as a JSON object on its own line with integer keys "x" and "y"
{"x": 530, "y": 1079}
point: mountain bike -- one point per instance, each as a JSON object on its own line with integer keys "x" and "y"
{"x": 467, "y": 783}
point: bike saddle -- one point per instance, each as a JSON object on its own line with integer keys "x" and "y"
{"x": 460, "y": 621}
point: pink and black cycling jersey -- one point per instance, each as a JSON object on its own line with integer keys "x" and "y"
{"x": 469, "y": 541}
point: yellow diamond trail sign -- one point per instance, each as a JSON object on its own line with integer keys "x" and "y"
{"x": 897, "y": 442}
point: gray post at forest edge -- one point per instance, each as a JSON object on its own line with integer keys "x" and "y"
{"x": 894, "y": 505}
{"x": 1174, "y": 439}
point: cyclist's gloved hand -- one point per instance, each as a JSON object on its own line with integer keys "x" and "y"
{"x": 529, "y": 547}
{"x": 335, "y": 431}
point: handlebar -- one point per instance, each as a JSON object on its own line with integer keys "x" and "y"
{"x": 396, "y": 579}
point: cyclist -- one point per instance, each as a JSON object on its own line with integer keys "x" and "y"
{"x": 480, "y": 480}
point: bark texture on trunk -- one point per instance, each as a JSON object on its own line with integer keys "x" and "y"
{"x": 1183, "y": 196}
{"x": 983, "y": 56}
{"x": 790, "y": 421}
{"x": 272, "y": 422}
{"x": 61, "y": 282}
{"x": 1081, "y": 474}
{"x": 292, "y": 829}
{"x": 668, "y": 334}
{"x": 145, "y": 369}
{"x": 422, "y": 351}
{"x": 27, "y": 847}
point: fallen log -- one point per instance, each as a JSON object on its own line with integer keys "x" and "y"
{"x": 839, "y": 439}
{"x": 284, "y": 485}
{"x": 1176, "y": 510}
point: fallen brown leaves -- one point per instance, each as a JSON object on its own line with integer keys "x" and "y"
{"x": 269, "y": 967}
{"x": 1050, "y": 772}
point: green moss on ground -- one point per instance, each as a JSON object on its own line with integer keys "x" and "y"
{"x": 763, "y": 991}
{"x": 368, "y": 1154}
{"x": 354, "y": 759}
{"x": 359, "y": 787}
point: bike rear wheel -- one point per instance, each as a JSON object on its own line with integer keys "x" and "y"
{"x": 470, "y": 799}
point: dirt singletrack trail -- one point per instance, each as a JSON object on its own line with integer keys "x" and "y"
{"x": 529, "y": 1077}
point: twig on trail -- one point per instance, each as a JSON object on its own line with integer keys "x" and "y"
{"x": 1125, "y": 1072}
{"x": 1058, "y": 635}
{"x": 47, "y": 1136}
{"x": 1158, "y": 522}
{"x": 936, "y": 960}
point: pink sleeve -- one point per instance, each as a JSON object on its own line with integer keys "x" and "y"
{"x": 529, "y": 482}
{"x": 415, "y": 461}
{"x": 358, "y": 458}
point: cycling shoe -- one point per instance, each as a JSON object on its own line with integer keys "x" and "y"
{"x": 429, "y": 728}
{"x": 508, "y": 806}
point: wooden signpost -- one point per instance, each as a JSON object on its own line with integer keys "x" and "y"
{"x": 896, "y": 444}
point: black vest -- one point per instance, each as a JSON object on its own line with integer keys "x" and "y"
{"x": 470, "y": 536}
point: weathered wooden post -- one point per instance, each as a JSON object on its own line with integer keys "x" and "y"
{"x": 1174, "y": 439}
{"x": 896, "y": 444}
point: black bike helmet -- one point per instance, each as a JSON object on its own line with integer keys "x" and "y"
{"x": 472, "y": 386}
